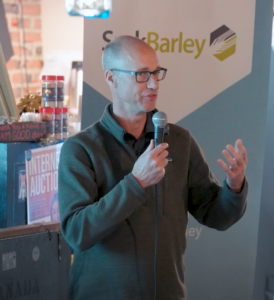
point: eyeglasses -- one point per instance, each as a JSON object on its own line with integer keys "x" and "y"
{"x": 143, "y": 76}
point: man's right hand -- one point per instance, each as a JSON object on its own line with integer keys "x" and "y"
{"x": 149, "y": 169}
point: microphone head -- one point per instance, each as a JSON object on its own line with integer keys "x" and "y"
{"x": 159, "y": 119}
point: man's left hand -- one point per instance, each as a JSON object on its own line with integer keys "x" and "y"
{"x": 237, "y": 160}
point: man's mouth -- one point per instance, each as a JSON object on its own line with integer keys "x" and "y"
{"x": 151, "y": 96}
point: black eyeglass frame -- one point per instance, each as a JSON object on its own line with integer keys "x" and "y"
{"x": 136, "y": 73}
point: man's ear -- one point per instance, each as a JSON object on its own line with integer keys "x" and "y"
{"x": 110, "y": 78}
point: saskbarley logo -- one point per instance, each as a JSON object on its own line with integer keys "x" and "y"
{"x": 223, "y": 42}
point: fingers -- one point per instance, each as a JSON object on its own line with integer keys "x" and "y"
{"x": 149, "y": 168}
{"x": 224, "y": 166}
{"x": 150, "y": 146}
{"x": 241, "y": 149}
{"x": 160, "y": 148}
{"x": 158, "y": 153}
{"x": 237, "y": 156}
{"x": 158, "y": 157}
{"x": 156, "y": 150}
{"x": 233, "y": 158}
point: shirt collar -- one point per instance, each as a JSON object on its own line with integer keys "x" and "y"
{"x": 109, "y": 121}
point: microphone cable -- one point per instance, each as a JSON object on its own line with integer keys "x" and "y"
{"x": 159, "y": 120}
{"x": 155, "y": 242}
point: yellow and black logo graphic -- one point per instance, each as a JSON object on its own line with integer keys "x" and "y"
{"x": 223, "y": 42}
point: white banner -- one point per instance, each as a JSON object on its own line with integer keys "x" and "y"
{"x": 205, "y": 45}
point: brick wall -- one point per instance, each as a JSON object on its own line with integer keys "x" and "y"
{"x": 24, "y": 23}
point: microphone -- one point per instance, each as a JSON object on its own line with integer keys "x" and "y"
{"x": 159, "y": 120}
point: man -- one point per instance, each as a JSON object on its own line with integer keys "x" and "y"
{"x": 123, "y": 207}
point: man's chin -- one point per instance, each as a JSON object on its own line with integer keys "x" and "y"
{"x": 149, "y": 106}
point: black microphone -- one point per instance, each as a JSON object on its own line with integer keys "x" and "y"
{"x": 159, "y": 120}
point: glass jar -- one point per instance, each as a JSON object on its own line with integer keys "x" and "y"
{"x": 65, "y": 122}
{"x": 60, "y": 91}
{"x": 58, "y": 122}
{"x": 49, "y": 91}
{"x": 48, "y": 117}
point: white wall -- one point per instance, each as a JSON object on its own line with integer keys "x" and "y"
{"x": 62, "y": 39}
{"x": 59, "y": 30}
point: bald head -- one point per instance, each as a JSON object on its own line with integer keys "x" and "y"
{"x": 120, "y": 49}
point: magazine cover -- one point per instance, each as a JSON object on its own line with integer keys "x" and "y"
{"x": 42, "y": 184}
{"x": 19, "y": 216}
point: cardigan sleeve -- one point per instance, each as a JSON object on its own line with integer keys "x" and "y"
{"x": 85, "y": 217}
{"x": 211, "y": 204}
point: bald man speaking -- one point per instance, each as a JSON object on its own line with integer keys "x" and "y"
{"x": 123, "y": 206}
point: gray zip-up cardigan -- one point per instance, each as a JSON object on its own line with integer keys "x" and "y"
{"x": 109, "y": 219}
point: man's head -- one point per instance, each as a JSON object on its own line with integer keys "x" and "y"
{"x": 127, "y": 53}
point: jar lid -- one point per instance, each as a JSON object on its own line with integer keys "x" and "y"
{"x": 60, "y": 77}
{"x": 49, "y": 77}
{"x": 57, "y": 110}
{"x": 64, "y": 109}
{"x": 46, "y": 110}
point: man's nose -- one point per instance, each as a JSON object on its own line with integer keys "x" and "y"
{"x": 152, "y": 83}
